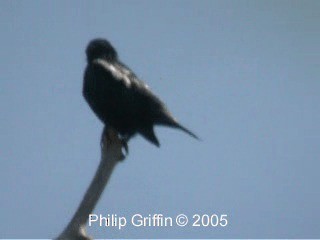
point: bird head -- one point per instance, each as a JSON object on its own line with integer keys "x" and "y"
{"x": 100, "y": 48}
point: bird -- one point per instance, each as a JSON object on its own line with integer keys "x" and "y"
{"x": 120, "y": 99}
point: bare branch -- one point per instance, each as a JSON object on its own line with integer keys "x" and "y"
{"x": 111, "y": 154}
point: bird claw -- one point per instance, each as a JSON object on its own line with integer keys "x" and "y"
{"x": 110, "y": 138}
{"x": 124, "y": 143}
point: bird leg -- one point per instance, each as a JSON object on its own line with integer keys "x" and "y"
{"x": 110, "y": 137}
{"x": 124, "y": 141}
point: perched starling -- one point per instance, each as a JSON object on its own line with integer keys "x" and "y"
{"x": 119, "y": 98}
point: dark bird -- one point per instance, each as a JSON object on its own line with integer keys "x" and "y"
{"x": 119, "y": 98}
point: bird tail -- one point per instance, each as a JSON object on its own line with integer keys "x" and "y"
{"x": 179, "y": 126}
{"x": 171, "y": 122}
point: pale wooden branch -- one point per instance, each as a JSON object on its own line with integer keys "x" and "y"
{"x": 111, "y": 154}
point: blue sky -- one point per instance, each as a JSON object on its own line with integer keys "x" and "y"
{"x": 243, "y": 75}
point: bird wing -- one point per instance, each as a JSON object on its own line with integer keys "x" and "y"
{"x": 133, "y": 91}
{"x": 121, "y": 96}
{"x": 125, "y": 102}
